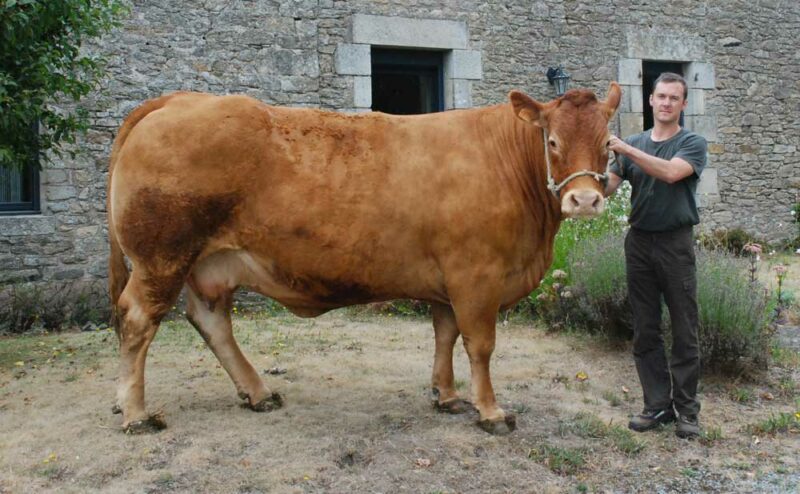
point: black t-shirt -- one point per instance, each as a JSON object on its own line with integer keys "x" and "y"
{"x": 657, "y": 206}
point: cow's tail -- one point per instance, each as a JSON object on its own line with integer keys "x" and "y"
{"x": 118, "y": 272}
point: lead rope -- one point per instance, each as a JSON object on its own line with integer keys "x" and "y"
{"x": 551, "y": 184}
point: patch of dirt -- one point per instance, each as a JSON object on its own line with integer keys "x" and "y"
{"x": 358, "y": 417}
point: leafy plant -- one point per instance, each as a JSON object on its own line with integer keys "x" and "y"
{"x": 572, "y": 232}
{"x": 588, "y": 425}
{"x": 733, "y": 310}
{"x": 41, "y": 62}
{"x": 563, "y": 461}
{"x": 783, "y": 422}
{"x": 25, "y": 306}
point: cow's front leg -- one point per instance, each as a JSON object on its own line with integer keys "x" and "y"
{"x": 211, "y": 317}
{"x": 476, "y": 321}
{"x": 446, "y": 397}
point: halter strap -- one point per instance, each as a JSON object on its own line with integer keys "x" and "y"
{"x": 556, "y": 188}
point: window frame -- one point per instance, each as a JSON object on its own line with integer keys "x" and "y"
{"x": 412, "y": 61}
{"x": 29, "y": 174}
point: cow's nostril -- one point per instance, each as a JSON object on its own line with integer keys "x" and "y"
{"x": 574, "y": 199}
{"x": 596, "y": 203}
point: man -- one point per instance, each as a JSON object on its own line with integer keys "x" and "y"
{"x": 663, "y": 166}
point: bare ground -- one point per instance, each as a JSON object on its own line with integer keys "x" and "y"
{"x": 358, "y": 417}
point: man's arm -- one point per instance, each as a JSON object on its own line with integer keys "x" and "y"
{"x": 669, "y": 171}
{"x": 613, "y": 183}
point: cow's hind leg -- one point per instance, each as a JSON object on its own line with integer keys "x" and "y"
{"x": 210, "y": 315}
{"x": 141, "y": 306}
{"x": 442, "y": 381}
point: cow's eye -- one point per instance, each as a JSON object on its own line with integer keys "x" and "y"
{"x": 552, "y": 143}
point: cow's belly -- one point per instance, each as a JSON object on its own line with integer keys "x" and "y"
{"x": 305, "y": 295}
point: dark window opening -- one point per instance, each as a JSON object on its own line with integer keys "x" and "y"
{"x": 407, "y": 82}
{"x": 19, "y": 187}
{"x": 650, "y": 72}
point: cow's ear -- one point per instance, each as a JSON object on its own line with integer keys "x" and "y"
{"x": 528, "y": 109}
{"x": 612, "y": 100}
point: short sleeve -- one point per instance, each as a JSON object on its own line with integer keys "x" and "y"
{"x": 693, "y": 150}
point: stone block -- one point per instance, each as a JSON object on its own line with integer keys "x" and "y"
{"x": 705, "y": 125}
{"x": 412, "y": 33}
{"x": 54, "y": 177}
{"x": 708, "y": 182}
{"x": 12, "y": 226}
{"x": 630, "y": 123}
{"x": 630, "y": 71}
{"x": 464, "y": 64}
{"x": 462, "y": 93}
{"x": 783, "y": 149}
{"x": 700, "y": 75}
{"x": 19, "y": 276}
{"x": 637, "y": 104}
{"x": 651, "y": 44}
{"x": 362, "y": 92}
{"x": 353, "y": 59}
{"x": 68, "y": 274}
{"x": 696, "y": 104}
{"x": 60, "y": 192}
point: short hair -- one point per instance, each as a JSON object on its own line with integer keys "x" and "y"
{"x": 672, "y": 77}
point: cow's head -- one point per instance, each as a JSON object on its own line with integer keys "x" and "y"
{"x": 576, "y": 130}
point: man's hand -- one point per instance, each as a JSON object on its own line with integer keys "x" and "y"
{"x": 619, "y": 146}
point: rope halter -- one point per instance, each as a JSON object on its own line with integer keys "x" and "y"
{"x": 556, "y": 188}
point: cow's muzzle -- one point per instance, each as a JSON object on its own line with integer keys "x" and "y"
{"x": 582, "y": 203}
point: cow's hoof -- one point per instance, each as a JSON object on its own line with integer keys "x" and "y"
{"x": 271, "y": 402}
{"x": 454, "y": 406}
{"x": 116, "y": 409}
{"x": 151, "y": 424}
{"x": 499, "y": 427}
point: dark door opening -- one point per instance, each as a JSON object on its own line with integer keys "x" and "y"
{"x": 650, "y": 72}
{"x": 407, "y": 82}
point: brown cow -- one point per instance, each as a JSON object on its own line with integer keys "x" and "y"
{"x": 320, "y": 210}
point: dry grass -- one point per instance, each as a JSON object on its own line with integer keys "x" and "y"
{"x": 358, "y": 418}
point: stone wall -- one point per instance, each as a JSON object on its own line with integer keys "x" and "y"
{"x": 296, "y": 53}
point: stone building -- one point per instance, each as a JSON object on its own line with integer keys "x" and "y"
{"x": 740, "y": 58}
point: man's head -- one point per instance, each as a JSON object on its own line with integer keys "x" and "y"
{"x": 668, "y": 98}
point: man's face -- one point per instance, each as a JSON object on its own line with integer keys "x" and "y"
{"x": 667, "y": 102}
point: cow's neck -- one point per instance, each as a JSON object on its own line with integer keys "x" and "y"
{"x": 520, "y": 161}
{"x": 517, "y": 153}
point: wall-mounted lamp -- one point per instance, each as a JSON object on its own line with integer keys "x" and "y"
{"x": 559, "y": 79}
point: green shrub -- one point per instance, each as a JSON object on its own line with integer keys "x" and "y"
{"x": 732, "y": 241}
{"x": 52, "y": 307}
{"x": 733, "y": 311}
{"x": 571, "y": 233}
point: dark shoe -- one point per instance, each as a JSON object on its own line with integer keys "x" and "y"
{"x": 688, "y": 427}
{"x": 650, "y": 419}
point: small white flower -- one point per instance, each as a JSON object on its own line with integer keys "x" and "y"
{"x": 566, "y": 294}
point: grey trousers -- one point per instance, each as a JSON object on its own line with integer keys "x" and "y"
{"x": 663, "y": 265}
